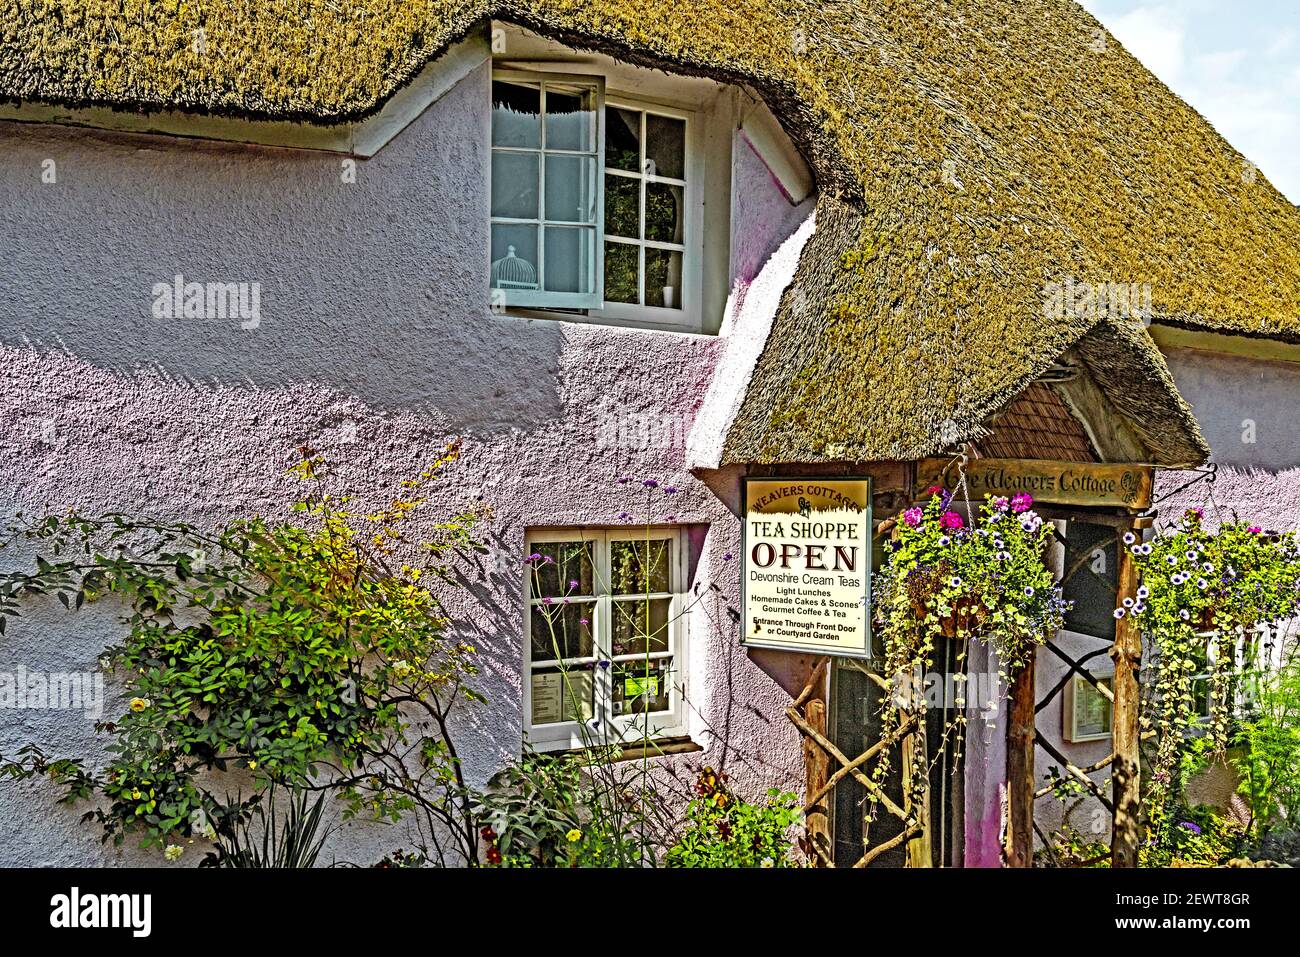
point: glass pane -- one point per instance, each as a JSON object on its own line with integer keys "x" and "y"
{"x": 639, "y": 567}
{"x": 567, "y": 695}
{"x": 664, "y": 219}
{"x": 623, "y": 207}
{"x": 514, "y": 257}
{"x": 562, "y": 631}
{"x": 640, "y": 627}
{"x": 514, "y": 185}
{"x": 570, "y": 259}
{"x": 663, "y": 278}
{"x": 570, "y": 189}
{"x": 623, "y": 139}
{"x": 639, "y": 689}
{"x": 516, "y": 114}
{"x": 622, "y": 272}
{"x": 665, "y": 146}
{"x": 570, "y": 118}
{"x": 569, "y": 571}
{"x": 1091, "y": 709}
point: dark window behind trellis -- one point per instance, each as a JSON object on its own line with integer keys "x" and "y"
{"x": 1091, "y": 569}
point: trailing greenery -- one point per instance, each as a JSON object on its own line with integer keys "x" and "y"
{"x": 723, "y": 831}
{"x": 1203, "y": 599}
{"x": 306, "y": 655}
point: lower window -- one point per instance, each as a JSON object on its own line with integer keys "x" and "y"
{"x": 605, "y": 649}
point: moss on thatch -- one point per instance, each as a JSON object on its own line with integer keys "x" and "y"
{"x": 968, "y": 154}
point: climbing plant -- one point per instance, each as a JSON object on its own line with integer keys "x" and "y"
{"x": 1204, "y": 597}
{"x": 309, "y": 654}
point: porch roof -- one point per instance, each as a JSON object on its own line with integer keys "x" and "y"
{"x": 968, "y": 155}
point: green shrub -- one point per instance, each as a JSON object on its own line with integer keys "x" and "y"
{"x": 723, "y": 831}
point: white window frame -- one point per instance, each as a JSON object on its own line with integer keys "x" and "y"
{"x": 687, "y": 318}
{"x": 691, "y": 248}
{"x": 542, "y": 298}
{"x": 1079, "y": 685}
{"x": 566, "y": 735}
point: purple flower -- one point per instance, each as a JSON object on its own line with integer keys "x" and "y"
{"x": 1022, "y": 502}
{"x": 548, "y": 601}
{"x": 1255, "y": 530}
{"x": 623, "y": 480}
{"x": 573, "y": 583}
{"x": 912, "y": 517}
{"x": 534, "y": 557}
{"x": 728, "y": 557}
{"x": 650, "y": 483}
{"x": 1190, "y": 826}
{"x": 670, "y": 489}
{"x": 584, "y": 621}
{"x": 1001, "y": 502}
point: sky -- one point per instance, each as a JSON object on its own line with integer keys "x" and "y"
{"x": 1237, "y": 62}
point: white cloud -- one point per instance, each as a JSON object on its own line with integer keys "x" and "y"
{"x": 1156, "y": 36}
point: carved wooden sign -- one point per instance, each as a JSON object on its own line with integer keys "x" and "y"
{"x": 1058, "y": 483}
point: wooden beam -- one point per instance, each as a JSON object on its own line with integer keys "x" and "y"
{"x": 1126, "y": 772}
{"x": 816, "y": 763}
{"x": 1020, "y": 768}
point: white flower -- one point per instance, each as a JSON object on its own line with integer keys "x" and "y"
{"x": 1128, "y": 602}
{"x": 1184, "y": 614}
{"x": 173, "y": 852}
{"x": 1147, "y": 549}
{"x": 1202, "y": 584}
{"x": 1129, "y": 538}
{"x": 1143, "y": 591}
{"x": 1120, "y": 612}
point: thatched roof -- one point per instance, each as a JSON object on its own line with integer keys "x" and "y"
{"x": 968, "y": 154}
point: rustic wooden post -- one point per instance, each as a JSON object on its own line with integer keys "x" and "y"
{"x": 816, "y": 771}
{"x": 1020, "y": 768}
{"x": 1125, "y": 772}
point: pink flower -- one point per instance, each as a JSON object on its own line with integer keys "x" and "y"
{"x": 1255, "y": 530}
{"x": 912, "y": 517}
{"x": 1001, "y": 502}
{"x": 950, "y": 521}
{"x": 1022, "y": 502}
{"x": 934, "y": 490}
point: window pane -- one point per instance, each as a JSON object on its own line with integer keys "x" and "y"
{"x": 516, "y": 114}
{"x": 562, "y": 695}
{"x": 514, "y": 257}
{"x": 665, "y": 146}
{"x": 639, "y": 567}
{"x": 622, "y": 272}
{"x": 641, "y": 687}
{"x": 623, "y": 139}
{"x": 663, "y": 278}
{"x": 562, "y": 631}
{"x": 570, "y": 189}
{"x": 1091, "y": 709}
{"x": 640, "y": 627}
{"x": 623, "y": 207}
{"x": 569, "y": 571}
{"x": 664, "y": 220}
{"x": 570, "y": 259}
{"x": 514, "y": 185}
{"x": 570, "y": 118}
{"x": 1092, "y": 570}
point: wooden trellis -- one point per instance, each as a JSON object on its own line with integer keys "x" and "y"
{"x": 826, "y": 765}
{"x": 808, "y": 714}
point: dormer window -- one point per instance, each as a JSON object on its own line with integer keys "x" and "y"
{"x": 590, "y": 201}
{"x": 546, "y": 190}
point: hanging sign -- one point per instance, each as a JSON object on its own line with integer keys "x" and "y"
{"x": 807, "y": 565}
{"x": 1059, "y": 483}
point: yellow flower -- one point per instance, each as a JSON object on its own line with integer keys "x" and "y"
{"x": 139, "y": 704}
{"x": 720, "y": 799}
{"x": 173, "y": 852}
{"x": 574, "y": 836}
{"x": 252, "y": 765}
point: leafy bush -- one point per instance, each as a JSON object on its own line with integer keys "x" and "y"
{"x": 295, "y": 654}
{"x": 568, "y": 811}
{"x": 1198, "y": 837}
{"x": 723, "y": 831}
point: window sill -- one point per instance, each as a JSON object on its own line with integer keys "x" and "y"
{"x": 656, "y": 748}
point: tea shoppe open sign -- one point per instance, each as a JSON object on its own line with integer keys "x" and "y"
{"x": 807, "y": 565}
